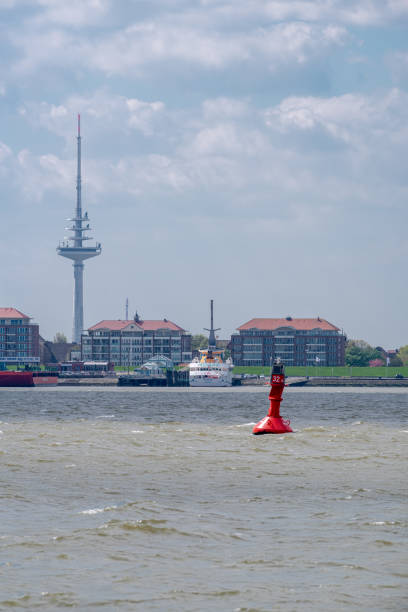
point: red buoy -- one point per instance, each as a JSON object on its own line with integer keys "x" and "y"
{"x": 273, "y": 422}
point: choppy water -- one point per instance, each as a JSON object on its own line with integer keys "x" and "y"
{"x": 163, "y": 500}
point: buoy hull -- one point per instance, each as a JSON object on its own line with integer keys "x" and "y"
{"x": 272, "y": 425}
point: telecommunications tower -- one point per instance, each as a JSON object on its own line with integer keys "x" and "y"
{"x": 72, "y": 248}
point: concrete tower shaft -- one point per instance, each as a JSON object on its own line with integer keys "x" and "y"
{"x": 72, "y": 248}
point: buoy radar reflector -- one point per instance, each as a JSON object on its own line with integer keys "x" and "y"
{"x": 273, "y": 422}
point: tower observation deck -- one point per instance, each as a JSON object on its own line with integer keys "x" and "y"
{"x": 73, "y": 248}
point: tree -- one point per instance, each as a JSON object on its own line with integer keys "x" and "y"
{"x": 199, "y": 341}
{"x": 359, "y": 353}
{"x": 60, "y": 338}
{"x": 376, "y": 363}
{"x": 403, "y": 354}
{"x": 396, "y": 361}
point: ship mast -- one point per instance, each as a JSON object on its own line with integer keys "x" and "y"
{"x": 212, "y": 343}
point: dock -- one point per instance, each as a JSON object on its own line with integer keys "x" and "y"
{"x": 172, "y": 378}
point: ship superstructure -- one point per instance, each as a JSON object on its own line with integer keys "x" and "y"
{"x": 209, "y": 370}
{"x": 73, "y": 248}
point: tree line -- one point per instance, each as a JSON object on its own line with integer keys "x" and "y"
{"x": 359, "y": 353}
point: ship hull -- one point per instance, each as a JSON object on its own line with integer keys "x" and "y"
{"x": 45, "y": 379}
{"x": 210, "y": 382}
{"x": 27, "y": 379}
{"x": 16, "y": 379}
{"x": 210, "y": 375}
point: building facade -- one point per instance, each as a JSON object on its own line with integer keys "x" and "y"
{"x": 19, "y": 338}
{"x": 297, "y": 342}
{"x": 131, "y": 343}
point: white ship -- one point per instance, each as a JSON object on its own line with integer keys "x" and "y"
{"x": 209, "y": 370}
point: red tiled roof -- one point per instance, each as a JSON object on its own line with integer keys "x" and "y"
{"x": 12, "y": 313}
{"x": 300, "y": 324}
{"x": 145, "y": 325}
{"x": 154, "y": 325}
{"x": 112, "y": 325}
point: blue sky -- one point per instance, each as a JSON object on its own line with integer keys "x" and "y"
{"x": 249, "y": 151}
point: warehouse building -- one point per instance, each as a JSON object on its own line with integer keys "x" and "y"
{"x": 131, "y": 343}
{"x": 297, "y": 342}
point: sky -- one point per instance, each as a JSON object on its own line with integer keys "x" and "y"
{"x": 253, "y": 152}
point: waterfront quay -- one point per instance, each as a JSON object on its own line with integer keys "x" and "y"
{"x": 291, "y": 381}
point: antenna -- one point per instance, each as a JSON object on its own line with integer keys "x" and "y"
{"x": 73, "y": 248}
{"x": 127, "y": 309}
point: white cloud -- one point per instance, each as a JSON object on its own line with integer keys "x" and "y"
{"x": 168, "y": 42}
{"x": 348, "y": 12}
{"x": 44, "y": 48}
{"x": 211, "y": 35}
{"x": 224, "y": 148}
{"x": 73, "y": 13}
{"x": 398, "y": 8}
{"x": 113, "y": 111}
{"x": 37, "y": 175}
{"x": 142, "y": 114}
{"x": 5, "y": 152}
{"x": 152, "y": 42}
{"x": 224, "y": 143}
{"x": 351, "y": 117}
{"x": 225, "y": 107}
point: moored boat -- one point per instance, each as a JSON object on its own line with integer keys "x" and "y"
{"x": 209, "y": 370}
{"x": 45, "y": 378}
{"x": 11, "y": 378}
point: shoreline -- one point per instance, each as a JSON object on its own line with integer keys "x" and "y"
{"x": 291, "y": 382}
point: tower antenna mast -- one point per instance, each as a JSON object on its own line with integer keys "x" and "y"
{"x": 73, "y": 248}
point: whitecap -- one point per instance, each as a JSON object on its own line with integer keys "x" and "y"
{"x": 106, "y": 416}
{"x": 245, "y": 424}
{"x": 98, "y": 510}
{"x": 137, "y": 431}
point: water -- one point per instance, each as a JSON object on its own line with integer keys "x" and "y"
{"x": 162, "y": 499}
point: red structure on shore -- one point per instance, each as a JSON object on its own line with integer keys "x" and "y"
{"x": 273, "y": 422}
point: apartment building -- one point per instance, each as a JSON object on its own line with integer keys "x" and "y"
{"x": 19, "y": 338}
{"x": 297, "y": 342}
{"x": 131, "y": 343}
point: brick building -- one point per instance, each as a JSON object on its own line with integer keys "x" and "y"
{"x": 134, "y": 342}
{"x": 19, "y": 338}
{"x": 298, "y": 342}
